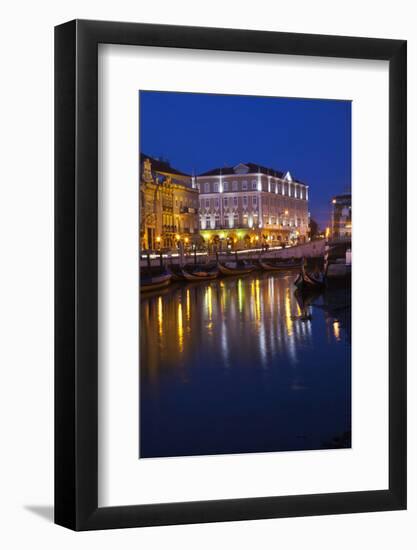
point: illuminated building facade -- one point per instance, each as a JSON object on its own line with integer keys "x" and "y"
{"x": 341, "y": 227}
{"x": 248, "y": 203}
{"x": 168, "y": 206}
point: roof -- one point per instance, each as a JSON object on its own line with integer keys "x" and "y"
{"x": 159, "y": 165}
{"x": 253, "y": 169}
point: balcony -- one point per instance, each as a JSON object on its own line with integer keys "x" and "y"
{"x": 187, "y": 210}
{"x": 169, "y": 228}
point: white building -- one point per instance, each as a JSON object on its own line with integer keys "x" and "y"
{"x": 250, "y": 202}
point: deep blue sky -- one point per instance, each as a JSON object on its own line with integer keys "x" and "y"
{"x": 311, "y": 138}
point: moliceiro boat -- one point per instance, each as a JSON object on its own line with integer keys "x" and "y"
{"x": 235, "y": 268}
{"x": 194, "y": 272}
{"x": 309, "y": 281}
{"x": 200, "y": 274}
{"x": 274, "y": 265}
{"x": 154, "y": 280}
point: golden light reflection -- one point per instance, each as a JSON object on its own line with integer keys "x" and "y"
{"x": 180, "y": 328}
{"x": 223, "y": 297}
{"x": 240, "y": 295}
{"x": 252, "y": 298}
{"x": 288, "y": 316}
{"x": 208, "y": 298}
{"x": 160, "y": 316}
{"x": 261, "y": 319}
{"x": 187, "y": 304}
{"x": 336, "y": 330}
{"x": 257, "y": 300}
{"x": 209, "y": 302}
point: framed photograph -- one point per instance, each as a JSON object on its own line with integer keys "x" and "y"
{"x": 230, "y": 247}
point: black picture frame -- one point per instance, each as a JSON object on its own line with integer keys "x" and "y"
{"x": 76, "y": 272}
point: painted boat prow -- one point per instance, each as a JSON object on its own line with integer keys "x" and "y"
{"x": 225, "y": 270}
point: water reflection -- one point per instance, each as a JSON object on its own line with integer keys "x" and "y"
{"x": 223, "y": 365}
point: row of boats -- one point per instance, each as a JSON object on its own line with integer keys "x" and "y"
{"x": 156, "y": 278}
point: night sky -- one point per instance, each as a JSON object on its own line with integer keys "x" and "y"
{"x": 196, "y": 132}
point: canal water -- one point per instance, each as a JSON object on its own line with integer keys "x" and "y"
{"x": 244, "y": 364}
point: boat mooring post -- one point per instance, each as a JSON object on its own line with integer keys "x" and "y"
{"x": 181, "y": 249}
{"x": 148, "y": 261}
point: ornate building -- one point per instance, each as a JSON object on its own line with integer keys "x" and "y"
{"x": 250, "y": 203}
{"x": 168, "y": 206}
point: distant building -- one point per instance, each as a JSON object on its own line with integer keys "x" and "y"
{"x": 341, "y": 222}
{"x": 168, "y": 205}
{"x": 250, "y": 203}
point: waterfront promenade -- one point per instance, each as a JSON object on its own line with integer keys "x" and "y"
{"x": 312, "y": 249}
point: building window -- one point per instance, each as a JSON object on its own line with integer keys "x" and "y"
{"x": 245, "y": 201}
{"x": 254, "y": 200}
{"x": 207, "y": 188}
{"x": 216, "y": 187}
{"x": 216, "y": 203}
{"x": 235, "y": 202}
{"x": 234, "y": 186}
{"x": 225, "y": 186}
{"x": 244, "y": 185}
{"x": 217, "y": 221}
{"x": 225, "y": 202}
{"x": 254, "y": 184}
{"x": 235, "y": 219}
{"x": 245, "y": 220}
{"x": 207, "y": 203}
{"x": 208, "y": 219}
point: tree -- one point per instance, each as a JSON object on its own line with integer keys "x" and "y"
{"x": 314, "y": 228}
